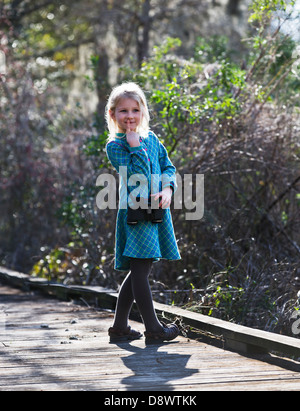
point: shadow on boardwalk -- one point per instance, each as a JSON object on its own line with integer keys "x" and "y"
{"x": 155, "y": 366}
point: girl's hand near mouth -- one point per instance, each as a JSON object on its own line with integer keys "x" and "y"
{"x": 133, "y": 138}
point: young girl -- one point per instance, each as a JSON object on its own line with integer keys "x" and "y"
{"x": 135, "y": 149}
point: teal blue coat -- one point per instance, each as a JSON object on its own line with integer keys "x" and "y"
{"x": 145, "y": 240}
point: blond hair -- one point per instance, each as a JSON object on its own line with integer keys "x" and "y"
{"x": 127, "y": 90}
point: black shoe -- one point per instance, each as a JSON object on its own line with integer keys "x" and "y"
{"x": 117, "y": 335}
{"x": 169, "y": 333}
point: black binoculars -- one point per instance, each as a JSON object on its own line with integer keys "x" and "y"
{"x": 155, "y": 215}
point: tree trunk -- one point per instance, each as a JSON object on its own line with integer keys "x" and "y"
{"x": 143, "y": 33}
{"x": 233, "y": 7}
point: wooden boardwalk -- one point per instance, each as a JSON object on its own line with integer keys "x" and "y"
{"x": 46, "y": 344}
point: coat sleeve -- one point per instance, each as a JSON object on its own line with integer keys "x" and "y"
{"x": 168, "y": 170}
{"x": 135, "y": 159}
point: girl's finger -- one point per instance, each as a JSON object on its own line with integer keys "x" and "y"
{"x": 156, "y": 196}
{"x": 163, "y": 202}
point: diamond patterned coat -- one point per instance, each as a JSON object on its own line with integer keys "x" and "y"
{"x": 144, "y": 240}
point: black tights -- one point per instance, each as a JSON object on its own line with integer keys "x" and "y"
{"x": 136, "y": 287}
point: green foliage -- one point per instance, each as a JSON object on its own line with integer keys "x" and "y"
{"x": 51, "y": 266}
{"x": 212, "y": 49}
{"x": 263, "y": 10}
{"x": 229, "y": 302}
{"x": 188, "y": 92}
{"x": 95, "y": 145}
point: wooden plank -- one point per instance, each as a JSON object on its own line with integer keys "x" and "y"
{"x": 236, "y": 337}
